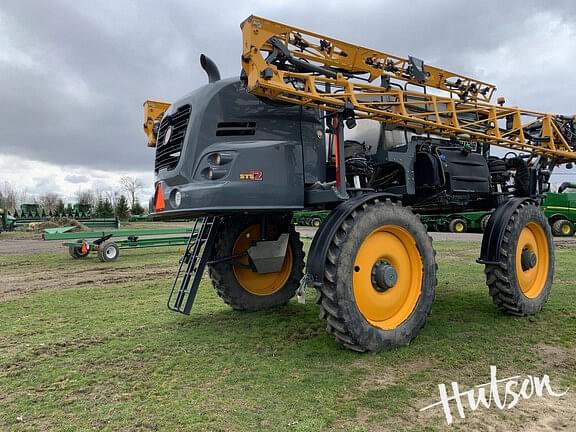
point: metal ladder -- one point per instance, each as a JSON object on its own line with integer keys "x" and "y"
{"x": 197, "y": 254}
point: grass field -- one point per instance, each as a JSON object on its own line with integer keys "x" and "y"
{"x": 91, "y": 346}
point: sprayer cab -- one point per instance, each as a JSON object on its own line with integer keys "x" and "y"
{"x": 222, "y": 150}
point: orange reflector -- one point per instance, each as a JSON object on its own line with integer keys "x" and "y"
{"x": 159, "y": 199}
{"x": 84, "y": 248}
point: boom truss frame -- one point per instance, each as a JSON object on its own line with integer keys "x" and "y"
{"x": 291, "y": 65}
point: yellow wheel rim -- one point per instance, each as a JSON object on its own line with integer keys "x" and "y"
{"x": 459, "y": 227}
{"x": 388, "y": 309}
{"x": 532, "y": 279}
{"x": 256, "y": 283}
{"x": 566, "y": 229}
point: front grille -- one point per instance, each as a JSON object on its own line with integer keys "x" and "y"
{"x": 168, "y": 154}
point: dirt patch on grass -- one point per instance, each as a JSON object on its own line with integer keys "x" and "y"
{"x": 379, "y": 378}
{"x": 28, "y": 246}
{"x": 556, "y": 358}
{"x": 29, "y": 280}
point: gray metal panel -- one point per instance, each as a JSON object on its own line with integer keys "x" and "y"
{"x": 274, "y": 149}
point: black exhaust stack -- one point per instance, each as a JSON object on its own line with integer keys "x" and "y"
{"x": 210, "y": 68}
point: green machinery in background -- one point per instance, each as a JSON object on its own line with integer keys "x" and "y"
{"x": 6, "y": 221}
{"x": 30, "y": 213}
{"x": 475, "y": 221}
{"x": 309, "y": 218}
{"x": 107, "y": 244}
{"x": 559, "y": 207}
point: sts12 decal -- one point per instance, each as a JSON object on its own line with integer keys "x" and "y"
{"x": 254, "y": 175}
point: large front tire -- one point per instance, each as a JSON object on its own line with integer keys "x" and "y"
{"x": 380, "y": 278}
{"x": 521, "y": 281}
{"x": 236, "y": 283}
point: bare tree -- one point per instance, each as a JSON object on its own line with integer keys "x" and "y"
{"x": 131, "y": 185}
{"x": 49, "y": 201}
{"x": 8, "y": 196}
{"x": 112, "y": 196}
{"x": 86, "y": 197}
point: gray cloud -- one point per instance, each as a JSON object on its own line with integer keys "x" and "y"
{"x": 44, "y": 184}
{"x": 77, "y": 179}
{"x": 74, "y": 75}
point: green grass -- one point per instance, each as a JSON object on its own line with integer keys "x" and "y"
{"x": 112, "y": 357}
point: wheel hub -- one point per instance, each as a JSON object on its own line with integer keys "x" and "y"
{"x": 384, "y": 276}
{"x": 528, "y": 259}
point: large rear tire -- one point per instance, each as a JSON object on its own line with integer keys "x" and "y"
{"x": 236, "y": 283}
{"x": 380, "y": 278}
{"x": 521, "y": 281}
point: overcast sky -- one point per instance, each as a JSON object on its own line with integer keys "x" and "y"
{"x": 74, "y": 74}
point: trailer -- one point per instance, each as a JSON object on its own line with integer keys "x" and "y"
{"x": 107, "y": 244}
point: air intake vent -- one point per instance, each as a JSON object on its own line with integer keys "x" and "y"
{"x": 236, "y": 128}
{"x": 172, "y": 130}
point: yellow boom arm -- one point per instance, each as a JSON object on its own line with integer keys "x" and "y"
{"x": 153, "y": 112}
{"x": 288, "y": 64}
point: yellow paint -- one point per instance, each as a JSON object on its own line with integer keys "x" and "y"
{"x": 253, "y": 282}
{"x": 153, "y": 111}
{"x": 533, "y": 281}
{"x": 389, "y": 309}
{"x": 409, "y": 109}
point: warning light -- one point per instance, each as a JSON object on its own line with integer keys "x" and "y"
{"x": 159, "y": 199}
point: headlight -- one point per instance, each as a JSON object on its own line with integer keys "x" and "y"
{"x": 214, "y": 173}
{"x": 219, "y": 158}
{"x": 177, "y": 198}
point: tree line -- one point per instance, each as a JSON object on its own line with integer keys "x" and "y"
{"x": 120, "y": 203}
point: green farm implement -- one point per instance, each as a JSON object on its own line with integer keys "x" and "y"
{"x": 34, "y": 213}
{"x": 473, "y": 221}
{"x": 6, "y": 221}
{"x": 560, "y": 209}
{"x": 310, "y": 218}
{"x": 107, "y": 244}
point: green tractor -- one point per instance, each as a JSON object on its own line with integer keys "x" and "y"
{"x": 560, "y": 209}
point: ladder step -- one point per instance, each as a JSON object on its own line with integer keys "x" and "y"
{"x": 198, "y": 251}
